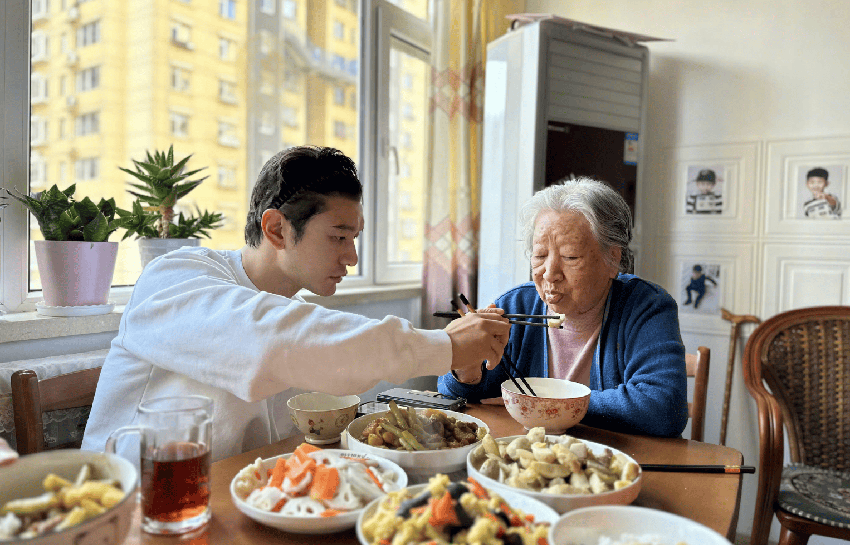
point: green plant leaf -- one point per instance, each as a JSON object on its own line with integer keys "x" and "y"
{"x": 97, "y": 230}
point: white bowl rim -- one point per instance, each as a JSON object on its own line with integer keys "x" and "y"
{"x": 535, "y": 493}
{"x": 342, "y": 404}
{"x": 511, "y": 387}
{"x": 399, "y": 471}
{"x": 419, "y": 453}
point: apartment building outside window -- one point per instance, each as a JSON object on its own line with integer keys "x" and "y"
{"x": 181, "y": 34}
{"x": 339, "y": 95}
{"x": 227, "y": 9}
{"x": 339, "y": 30}
{"x": 38, "y": 170}
{"x": 340, "y": 131}
{"x": 38, "y": 131}
{"x": 40, "y": 9}
{"x": 267, "y": 41}
{"x": 290, "y": 117}
{"x": 88, "y": 79}
{"x": 38, "y": 88}
{"x": 86, "y": 170}
{"x": 180, "y": 79}
{"x": 227, "y": 177}
{"x": 226, "y": 49}
{"x": 40, "y": 46}
{"x": 267, "y": 6}
{"x": 88, "y": 34}
{"x": 267, "y": 123}
{"x": 227, "y": 91}
{"x": 179, "y": 124}
{"x": 87, "y": 124}
{"x": 227, "y": 135}
{"x": 289, "y": 9}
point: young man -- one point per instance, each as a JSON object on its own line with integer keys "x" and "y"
{"x": 706, "y": 201}
{"x": 822, "y": 205}
{"x": 229, "y": 324}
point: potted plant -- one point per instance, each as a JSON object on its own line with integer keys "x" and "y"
{"x": 75, "y": 260}
{"x": 152, "y": 219}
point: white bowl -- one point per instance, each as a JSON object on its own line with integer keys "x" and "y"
{"x": 565, "y": 502}
{"x": 558, "y": 405}
{"x": 529, "y": 506}
{"x": 418, "y": 464}
{"x": 586, "y": 526}
{"x": 23, "y": 479}
{"x": 322, "y": 417}
{"x": 312, "y": 525}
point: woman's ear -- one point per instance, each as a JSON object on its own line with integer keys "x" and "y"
{"x": 616, "y": 256}
{"x": 275, "y": 228}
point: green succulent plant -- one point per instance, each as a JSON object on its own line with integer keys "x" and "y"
{"x": 163, "y": 183}
{"x": 61, "y": 217}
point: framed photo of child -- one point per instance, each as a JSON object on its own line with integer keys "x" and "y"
{"x": 705, "y": 189}
{"x": 820, "y": 191}
{"x": 700, "y": 287}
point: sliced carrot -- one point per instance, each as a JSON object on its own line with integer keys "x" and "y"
{"x": 302, "y": 452}
{"x": 529, "y": 517}
{"x": 325, "y": 483}
{"x": 297, "y": 469}
{"x": 443, "y": 511}
{"x": 279, "y": 505}
{"x": 479, "y": 491}
{"x": 542, "y": 541}
{"x": 331, "y": 512}
{"x": 269, "y": 473}
{"x": 278, "y": 473}
{"x": 374, "y": 478}
{"x": 257, "y": 475}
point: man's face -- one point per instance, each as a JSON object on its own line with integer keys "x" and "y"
{"x": 319, "y": 261}
{"x": 705, "y": 186}
{"x": 569, "y": 269}
{"x": 816, "y": 184}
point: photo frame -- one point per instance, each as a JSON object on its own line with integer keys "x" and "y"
{"x": 809, "y": 187}
{"x": 713, "y": 189}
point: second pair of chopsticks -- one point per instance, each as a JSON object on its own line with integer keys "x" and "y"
{"x": 676, "y": 468}
{"x": 507, "y": 362}
{"x": 511, "y": 318}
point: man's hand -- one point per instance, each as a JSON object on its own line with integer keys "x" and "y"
{"x": 477, "y": 337}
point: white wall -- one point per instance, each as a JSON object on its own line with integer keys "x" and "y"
{"x": 742, "y": 80}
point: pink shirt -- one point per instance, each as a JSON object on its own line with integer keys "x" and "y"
{"x": 571, "y": 349}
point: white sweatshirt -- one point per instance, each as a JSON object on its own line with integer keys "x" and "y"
{"x": 196, "y": 324}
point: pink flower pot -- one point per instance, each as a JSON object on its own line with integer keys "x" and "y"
{"x": 75, "y": 273}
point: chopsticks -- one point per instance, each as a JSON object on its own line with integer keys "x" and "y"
{"x": 540, "y": 316}
{"x": 670, "y": 468}
{"x": 516, "y": 372}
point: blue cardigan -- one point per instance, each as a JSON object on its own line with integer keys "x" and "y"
{"x": 637, "y": 381}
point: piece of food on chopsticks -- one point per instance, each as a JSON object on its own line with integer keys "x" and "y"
{"x": 446, "y": 512}
{"x": 557, "y": 322}
{"x": 562, "y": 466}
{"x": 314, "y": 483}
{"x": 402, "y": 428}
{"x": 64, "y": 504}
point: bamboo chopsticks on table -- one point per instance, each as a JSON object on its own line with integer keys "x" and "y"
{"x": 507, "y": 362}
{"x": 674, "y": 468}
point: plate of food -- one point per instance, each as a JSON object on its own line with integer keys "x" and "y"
{"x": 442, "y": 511}
{"x": 423, "y": 442}
{"x": 559, "y": 470}
{"x": 313, "y": 491}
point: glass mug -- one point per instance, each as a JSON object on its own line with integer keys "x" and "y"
{"x": 175, "y": 438}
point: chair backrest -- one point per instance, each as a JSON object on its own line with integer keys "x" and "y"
{"x": 697, "y": 367}
{"x": 32, "y": 397}
{"x": 803, "y": 356}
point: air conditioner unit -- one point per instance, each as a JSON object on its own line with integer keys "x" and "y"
{"x": 73, "y": 58}
{"x": 71, "y": 100}
{"x": 73, "y": 13}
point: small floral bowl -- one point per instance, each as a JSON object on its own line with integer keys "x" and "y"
{"x": 322, "y": 417}
{"x": 558, "y": 405}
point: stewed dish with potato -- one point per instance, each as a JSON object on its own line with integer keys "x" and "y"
{"x": 405, "y": 429}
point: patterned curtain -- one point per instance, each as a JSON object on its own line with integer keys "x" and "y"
{"x": 462, "y": 30}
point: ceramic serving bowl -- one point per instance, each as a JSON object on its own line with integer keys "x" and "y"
{"x": 322, "y": 417}
{"x": 24, "y": 477}
{"x": 558, "y": 405}
{"x": 419, "y": 465}
{"x": 618, "y": 522}
{"x": 312, "y": 524}
{"x": 563, "y": 503}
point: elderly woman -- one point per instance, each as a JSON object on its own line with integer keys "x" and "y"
{"x": 621, "y": 334}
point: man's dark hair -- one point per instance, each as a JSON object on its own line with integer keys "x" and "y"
{"x": 298, "y": 181}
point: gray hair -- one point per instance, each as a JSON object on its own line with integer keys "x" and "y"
{"x": 607, "y": 212}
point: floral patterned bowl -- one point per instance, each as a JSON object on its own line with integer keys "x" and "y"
{"x": 558, "y": 406}
{"x": 322, "y": 417}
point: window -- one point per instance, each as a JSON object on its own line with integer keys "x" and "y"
{"x": 226, "y": 49}
{"x": 339, "y": 95}
{"x": 86, "y": 170}
{"x": 267, "y": 6}
{"x": 179, "y": 125}
{"x": 339, "y": 30}
{"x": 266, "y": 42}
{"x": 227, "y": 91}
{"x": 408, "y": 111}
{"x": 38, "y": 88}
{"x": 88, "y": 79}
{"x": 181, "y": 34}
{"x": 227, "y": 134}
{"x": 40, "y": 46}
{"x": 408, "y": 81}
{"x": 274, "y": 94}
{"x": 180, "y": 79}
{"x": 88, "y": 34}
{"x": 227, "y": 9}
{"x": 87, "y": 124}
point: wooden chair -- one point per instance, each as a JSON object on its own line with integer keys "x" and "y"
{"x": 796, "y": 367}
{"x": 31, "y": 397}
{"x": 697, "y": 367}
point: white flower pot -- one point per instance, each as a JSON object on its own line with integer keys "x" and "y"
{"x": 150, "y": 248}
{"x": 75, "y": 273}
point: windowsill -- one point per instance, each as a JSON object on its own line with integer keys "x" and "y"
{"x": 28, "y": 326}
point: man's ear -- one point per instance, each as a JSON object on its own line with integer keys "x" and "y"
{"x": 275, "y": 228}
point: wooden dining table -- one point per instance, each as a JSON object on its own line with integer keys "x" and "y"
{"x": 712, "y": 499}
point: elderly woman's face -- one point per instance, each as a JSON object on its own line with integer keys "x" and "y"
{"x": 567, "y": 265}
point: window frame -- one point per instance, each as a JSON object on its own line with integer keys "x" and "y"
{"x": 380, "y": 20}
